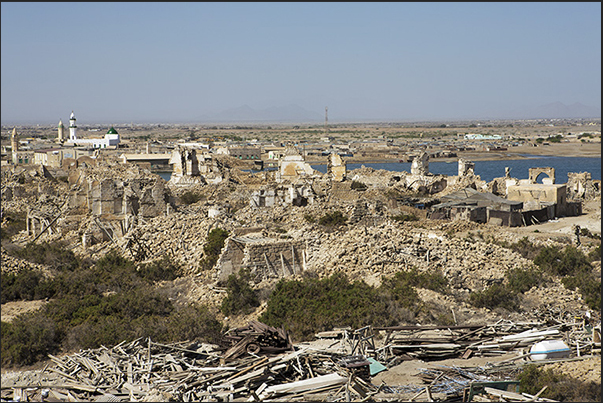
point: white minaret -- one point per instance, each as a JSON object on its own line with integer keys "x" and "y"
{"x": 72, "y": 127}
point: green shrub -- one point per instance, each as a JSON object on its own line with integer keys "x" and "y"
{"x": 15, "y": 223}
{"x": 412, "y": 278}
{"x": 100, "y": 305}
{"x": 25, "y": 285}
{"x": 28, "y": 339}
{"x": 522, "y": 280}
{"x": 560, "y": 387}
{"x": 53, "y": 255}
{"x": 405, "y": 217}
{"x": 194, "y": 323}
{"x": 114, "y": 272}
{"x": 190, "y": 197}
{"x": 213, "y": 248}
{"x": 586, "y": 233}
{"x": 525, "y": 248}
{"x": 495, "y": 296}
{"x": 356, "y": 185}
{"x": 313, "y": 305}
{"x": 309, "y": 218}
{"x": 595, "y": 254}
{"x": 589, "y": 286}
{"x": 336, "y": 218}
{"x": 241, "y": 298}
{"x": 562, "y": 262}
{"x": 164, "y": 269}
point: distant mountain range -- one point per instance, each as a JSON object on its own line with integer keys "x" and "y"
{"x": 291, "y": 114}
{"x": 557, "y": 110}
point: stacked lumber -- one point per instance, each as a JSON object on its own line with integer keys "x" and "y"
{"x": 143, "y": 370}
{"x": 254, "y": 338}
{"x": 439, "y": 342}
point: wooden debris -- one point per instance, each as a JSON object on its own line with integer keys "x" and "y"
{"x": 273, "y": 369}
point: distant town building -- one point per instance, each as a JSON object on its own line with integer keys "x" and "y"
{"x": 473, "y": 136}
{"x": 19, "y": 156}
{"x": 110, "y": 140}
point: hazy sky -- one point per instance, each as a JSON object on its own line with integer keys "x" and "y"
{"x": 160, "y": 62}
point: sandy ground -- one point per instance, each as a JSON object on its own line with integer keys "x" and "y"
{"x": 572, "y": 149}
{"x": 12, "y": 309}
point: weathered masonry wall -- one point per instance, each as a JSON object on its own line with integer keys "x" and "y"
{"x": 264, "y": 258}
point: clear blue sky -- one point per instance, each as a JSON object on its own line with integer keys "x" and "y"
{"x": 160, "y": 62}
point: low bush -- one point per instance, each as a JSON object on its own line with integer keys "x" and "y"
{"x": 15, "y": 223}
{"x": 595, "y": 254}
{"x": 522, "y": 280}
{"x": 560, "y": 387}
{"x": 28, "y": 339}
{"x": 309, "y": 218}
{"x": 333, "y": 219}
{"x": 213, "y": 248}
{"x": 25, "y": 285}
{"x": 163, "y": 269}
{"x": 524, "y": 247}
{"x": 241, "y": 298}
{"x": 405, "y": 217}
{"x": 52, "y": 254}
{"x": 412, "y": 278}
{"x": 356, "y": 185}
{"x": 189, "y": 197}
{"x": 586, "y": 233}
{"x": 495, "y": 296}
{"x": 568, "y": 261}
{"x": 101, "y": 305}
{"x": 589, "y": 286}
{"x": 194, "y": 322}
{"x": 313, "y": 305}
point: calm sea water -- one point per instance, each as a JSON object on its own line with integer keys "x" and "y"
{"x": 488, "y": 170}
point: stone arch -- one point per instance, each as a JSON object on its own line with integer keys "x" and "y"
{"x": 536, "y": 172}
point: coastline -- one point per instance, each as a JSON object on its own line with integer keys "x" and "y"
{"x": 591, "y": 150}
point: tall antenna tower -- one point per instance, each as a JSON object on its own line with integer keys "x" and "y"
{"x": 326, "y": 121}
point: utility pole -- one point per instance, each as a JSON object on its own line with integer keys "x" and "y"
{"x": 326, "y": 122}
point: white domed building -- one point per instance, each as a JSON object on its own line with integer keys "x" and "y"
{"x": 111, "y": 139}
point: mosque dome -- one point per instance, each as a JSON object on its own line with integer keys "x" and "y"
{"x": 112, "y": 131}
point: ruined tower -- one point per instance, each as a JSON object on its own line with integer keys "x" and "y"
{"x": 72, "y": 127}
{"x": 14, "y": 145}
{"x": 61, "y": 132}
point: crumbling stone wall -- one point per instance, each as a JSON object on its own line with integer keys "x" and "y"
{"x": 535, "y": 172}
{"x": 420, "y": 164}
{"x": 536, "y": 196}
{"x": 266, "y": 258}
{"x": 336, "y": 168}
{"x": 581, "y": 186}
{"x": 466, "y": 167}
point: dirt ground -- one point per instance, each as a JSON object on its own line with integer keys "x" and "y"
{"x": 12, "y": 309}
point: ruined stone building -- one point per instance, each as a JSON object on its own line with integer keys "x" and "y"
{"x": 102, "y": 204}
{"x": 527, "y": 202}
{"x": 582, "y": 186}
{"x": 296, "y": 194}
{"x": 292, "y": 166}
{"x": 265, "y": 258}
{"x": 471, "y": 205}
{"x": 188, "y": 169}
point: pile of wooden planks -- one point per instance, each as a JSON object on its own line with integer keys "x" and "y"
{"x": 143, "y": 370}
{"x": 254, "y": 338}
{"x": 439, "y": 342}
